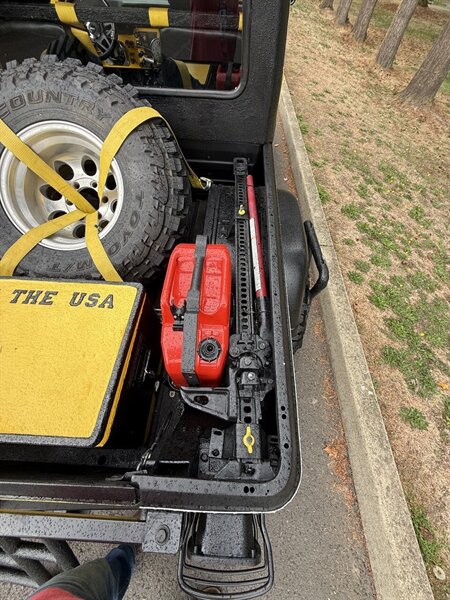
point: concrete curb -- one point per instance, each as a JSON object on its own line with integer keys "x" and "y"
{"x": 397, "y": 566}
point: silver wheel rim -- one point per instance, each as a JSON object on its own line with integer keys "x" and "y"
{"x": 73, "y": 152}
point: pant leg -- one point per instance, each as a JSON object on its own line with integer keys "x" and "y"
{"x": 122, "y": 561}
{"x": 102, "y": 579}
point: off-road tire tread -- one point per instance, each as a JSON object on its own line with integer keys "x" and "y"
{"x": 173, "y": 208}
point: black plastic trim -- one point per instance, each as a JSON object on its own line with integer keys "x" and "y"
{"x": 321, "y": 265}
{"x": 296, "y": 254}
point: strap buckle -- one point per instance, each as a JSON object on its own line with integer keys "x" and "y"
{"x": 207, "y": 183}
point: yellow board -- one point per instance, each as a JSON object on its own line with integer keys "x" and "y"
{"x": 62, "y": 349}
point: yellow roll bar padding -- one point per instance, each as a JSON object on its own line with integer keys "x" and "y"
{"x": 241, "y": 21}
{"x": 118, "y": 134}
{"x": 158, "y": 17}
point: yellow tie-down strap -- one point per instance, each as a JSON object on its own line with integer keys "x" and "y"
{"x": 65, "y": 12}
{"x": 118, "y": 134}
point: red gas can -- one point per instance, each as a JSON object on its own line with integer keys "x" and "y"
{"x": 199, "y": 330}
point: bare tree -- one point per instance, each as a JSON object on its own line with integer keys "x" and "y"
{"x": 394, "y": 34}
{"x": 363, "y": 19}
{"x": 326, "y": 4}
{"x": 342, "y": 11}
{"x": 431, "y": 73}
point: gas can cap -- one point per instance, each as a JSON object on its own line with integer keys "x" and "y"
{"x": 209, "y": 349}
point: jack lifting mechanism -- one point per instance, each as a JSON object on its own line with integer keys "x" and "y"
{"x": 148, "y": 316}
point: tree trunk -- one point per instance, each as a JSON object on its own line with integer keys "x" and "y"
{"x": 342, "y": 11}
{"x": 362, "y": 22}
{"x": 326, "y": 4}
{"x": 432, "y": 72}
{"x": 394, "y": 35}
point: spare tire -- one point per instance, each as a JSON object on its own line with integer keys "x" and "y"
{"x": 64, "y": 111}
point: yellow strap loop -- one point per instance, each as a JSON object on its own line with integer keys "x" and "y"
{"x": 184, "y": 74}
{"x": 29, "y": 240}
{"x": 65, "y": 12}
{"x": 119, "y": 133}
{"x": 84, "y": 38}
{"x": 97, "y": 250}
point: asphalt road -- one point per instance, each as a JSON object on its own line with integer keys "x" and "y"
{"x": 317, "y": 539}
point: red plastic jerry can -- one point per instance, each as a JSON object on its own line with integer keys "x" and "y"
{"x": 207, "y": 344}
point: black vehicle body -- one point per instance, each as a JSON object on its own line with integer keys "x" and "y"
{"x": 213, "y": 128}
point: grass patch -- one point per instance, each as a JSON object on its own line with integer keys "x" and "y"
{"x": 422, "y": 281}
{"x": 402, "y": 329}
{"x": 352, "y": 211}
{"x": 381, "y": 260}
{"x": 381, "y": 18}
{"x": 355, "y": 277}
{"x": 388, "y": 210}
{"x": 418, "y": 214}
{"x": 446, "y": 85}
{"x": 362, "y": 266}
{"x": 414, "y": 366}
{"x": 393, "y": 176}
{"x": 354, "y": 162}
{"x": 414, "y": 417}
{"x": 420, "y": 324}
{"x": 362, "y": 190}
{"x": 441, "y": 263}
{"x": 381, "y": 236}
{"x": 446, "y": 411}
{"x": 323, "y": 194}
{"x": 422, "y": 30}
{"x": 429, "y": 545}
{"x": 304, "y": 128}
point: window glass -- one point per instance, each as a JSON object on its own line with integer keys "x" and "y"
{"x": 186, "y": 44}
